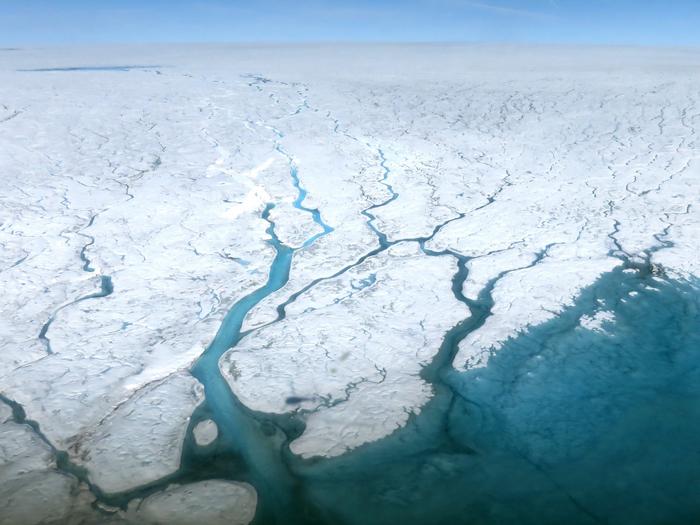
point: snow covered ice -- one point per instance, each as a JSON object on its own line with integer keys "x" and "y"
{"x": 235, "y": 278}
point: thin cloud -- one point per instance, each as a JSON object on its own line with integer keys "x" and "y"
{"x": 499, "y": 9}
{"x": 317, "y": 8}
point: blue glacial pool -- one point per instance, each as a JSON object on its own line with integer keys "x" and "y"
{"x": 564, "y": 425}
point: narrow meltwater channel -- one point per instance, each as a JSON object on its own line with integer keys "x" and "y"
{"x": 253, "y": 437}
{"x": 299, "y": 204}
{"x": 106, "y": 287}
{"x": 393, "y": 195}
{"x": 255, "y": 440}
{"x": 237, "y": 425}
{"x": 302, "y": 193}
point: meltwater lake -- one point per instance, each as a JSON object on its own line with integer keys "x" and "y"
{"x": 566, "y": 424}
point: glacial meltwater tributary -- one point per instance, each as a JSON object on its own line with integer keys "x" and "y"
{"x": 566, "y": 424}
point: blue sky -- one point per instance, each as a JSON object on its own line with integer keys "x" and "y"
{"x": 647, "y": 22}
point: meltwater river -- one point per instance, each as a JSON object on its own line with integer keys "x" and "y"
{"x": 565, "y": 424}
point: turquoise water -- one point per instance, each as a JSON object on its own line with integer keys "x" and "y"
{"x": 565, "y": 425}
{"x": 256, "y": 443}
{"x": 250, "y": 444}
{"x": 315, "y": 213}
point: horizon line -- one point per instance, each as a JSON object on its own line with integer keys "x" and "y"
{"x": 306, "y": 43}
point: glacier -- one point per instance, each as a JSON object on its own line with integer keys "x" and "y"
{"x": 349, "y": 284}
